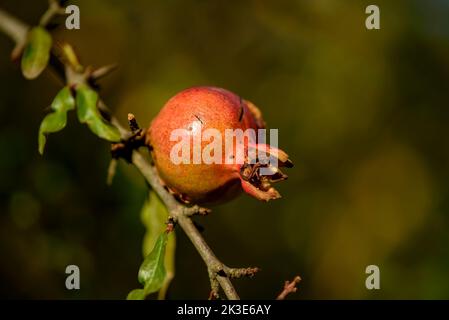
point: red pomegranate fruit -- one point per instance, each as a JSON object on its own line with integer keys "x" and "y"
{"x": 190, "y": 116}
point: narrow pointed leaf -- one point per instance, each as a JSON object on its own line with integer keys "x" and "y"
{"x": 152, "y": 271}
{"x": 36, "y": 53}
{"x": 57, "y": 120}
{"x": 154, "y": 216}
{"x": 86, "y": 103}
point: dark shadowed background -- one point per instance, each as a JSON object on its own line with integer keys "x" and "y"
{"x": 363, "y": 115}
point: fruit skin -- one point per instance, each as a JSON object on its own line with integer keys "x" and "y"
{"x": 205, "y": 183}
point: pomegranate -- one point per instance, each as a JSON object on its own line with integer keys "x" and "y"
{"x": 195, "y": 111}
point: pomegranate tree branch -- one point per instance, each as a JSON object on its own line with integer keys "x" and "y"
{"x": 13, "y": 27}
{"x": 181, "y": 214}
{"x": 289, "y": 287}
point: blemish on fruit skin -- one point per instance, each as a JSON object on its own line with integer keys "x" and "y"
{"x": 199, "y": 119}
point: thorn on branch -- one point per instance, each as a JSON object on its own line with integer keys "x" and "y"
{"x": 54, "y": 8}
{"x": 134, "y": 141}
{"x": 289, "y": 287}
{"x": 111, "y": 171}
{"x": 102, "y": 72}
{"x": 133, "y": 125}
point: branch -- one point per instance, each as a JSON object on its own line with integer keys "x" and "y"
{"x": 181, "y": 214}
{"x": 16, "y": 30}
{"x": 289, "y": 287}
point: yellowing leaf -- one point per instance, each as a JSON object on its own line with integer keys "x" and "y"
{"x": 36, "y": 53}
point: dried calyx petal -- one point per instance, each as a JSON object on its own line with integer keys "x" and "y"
{"x": 258, "y": 184}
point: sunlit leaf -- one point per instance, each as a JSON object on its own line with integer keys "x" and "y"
{"x": 152, "y": 271}
{"x": 154, "y": 216}
{"x": 136, "y": 294}
{"x": 86, "y": 103}
{"x": 57, "y": 120}
{"x": 36, "y": 53}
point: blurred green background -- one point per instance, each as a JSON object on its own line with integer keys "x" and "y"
{"x": 363, "y": 115}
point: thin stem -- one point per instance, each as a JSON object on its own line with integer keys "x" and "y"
{"x": 289, "y": 287}
{"x": 53, "y": 10}
{"x": 177, "y": 212}
{"x": 13, "y": 27}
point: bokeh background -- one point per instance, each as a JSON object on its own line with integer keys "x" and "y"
{"x": 363, "y": 114}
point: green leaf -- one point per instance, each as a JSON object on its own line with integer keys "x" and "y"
{"x": 169, "y": 265}
{"x": 154, "y": 216}
{"x": 86, "y": 102}
{"x": 57, "y": 120}
{"x": 136, "y": 294}
{"x": 36, "y": 53}
{"x": 152, "y": 271}
{"x": 158, "y": 267}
